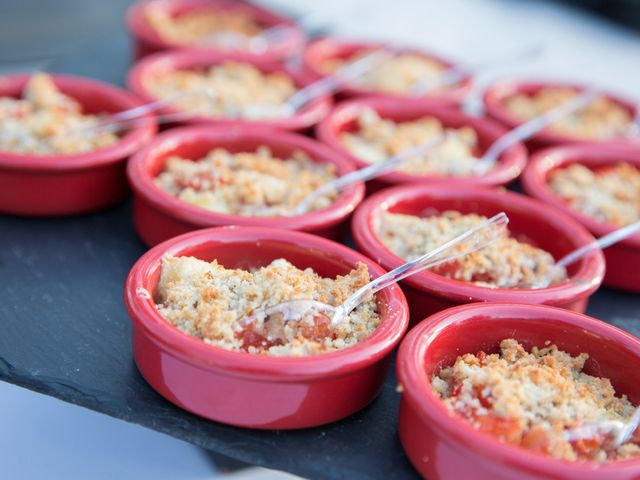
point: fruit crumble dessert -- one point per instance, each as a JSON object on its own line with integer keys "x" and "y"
{"x": 230, "y": 89}
{"x": 602, "y": 119}
{"x": 398, "y": 75}
{"x": 504, "y": 263}
{"x": 209, "y": 301}
{"x": 204, "y": 26}
{"x": 609, "y": 194}
{"x": 533, "y": 399}
{"x": 47, "y": 122}
{"x": 247, "y": 183}
{"x": 377, "y": 139}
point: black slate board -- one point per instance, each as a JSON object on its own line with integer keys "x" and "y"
{"x": 64, "y": 331}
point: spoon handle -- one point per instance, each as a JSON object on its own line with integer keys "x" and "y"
{"x": 602, "y": 242}
{"x": 470, "y": 241}
{"x": 367, "y": 173}
{"x": 533, "y": 126}
{"x": 333, "y": 83}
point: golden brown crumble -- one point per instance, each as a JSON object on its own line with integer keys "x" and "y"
{"x": 377, "y": 139}
{"x": 207, "y": 301}
{"x": 47, "y": 122}
{"x": 607, "y": 194}
{"x": 505, "y": 263}
{"x": 247, "y": 183}
{"x": 532, "y": 399}
{"x": 602, "y": 119}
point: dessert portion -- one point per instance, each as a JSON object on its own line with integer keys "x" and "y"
{"x": 609, "y": 194}
{"x": 376, "y": 139}
{"x": 204, "y": 26}
{"x": 230, "y": 89}
{"x": 399, "y": 75}
{"x": 504, "y": 263}
{"x": 602, "y": 119}
{"x": 532, "y": 400}
{"x": 209, "y": 301}
{"x": 247, "y": 183}
{"x": 45, "y": 121}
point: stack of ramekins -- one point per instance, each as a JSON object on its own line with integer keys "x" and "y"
{"x": 449, "y": 317}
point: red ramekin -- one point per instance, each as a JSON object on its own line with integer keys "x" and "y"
{"x": 259, "y": 391}
{"x": 147, "y": 40}
{"x": 623, "y": 258}
{"x": 55, "y": 185}
{"x": 159, "y": 216}
{"x": 496, "y": 94}
{"x": 529, "y": 220}
{"x": 326, "y": 48}
{"x": 441, "y": 445}
{"x": 344, "y": 117}
{"x": 164, "y": 62}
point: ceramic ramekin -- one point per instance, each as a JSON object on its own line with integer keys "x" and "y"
{"x": 344, "y": 117}
{"x": 496, "y": 94}
{"x": 441, "y": 445}
{"x": 56, "y": 185}
{"x": 165, "y": 62}
{"x": 327, "y": 48}
{"x": 623, "y": 258}
{"x": 159, "y": 216}
{"x": 147, "y": 40}
{"x": 259, "y": 391}
{"x": 529, "y": 219}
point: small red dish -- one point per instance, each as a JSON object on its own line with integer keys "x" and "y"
{"x": 164, "y": 62}
{"x": 344, "y": 117}
{"x": 319, "y": 51}
{"x": 496, "y": 94}
{"x": 529, "y": 220}
{"x": 259, "y": 391}
{"x": 147, "y": 40}
{"x": 623, "y": 258}
{"x": 56, "y": 185}
{"x": 441, "y": 445}
{"x": 159, "y": 216}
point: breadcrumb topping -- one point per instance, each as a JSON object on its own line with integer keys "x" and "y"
{"x": 230, "y": 89}
{"x": 203, "y": 25}
{"x": 247, "y": 183}
{"x": 208, "y": 301}
{"x": 607, "y": 194}
{"x": 46, "y": 122}
{"x": 602, "y": 119}
{"x": 377, "y": 139}
{"x": 532, "y": 398}
{"x": 397, "y": 75}
{"x": 504, "y": 263}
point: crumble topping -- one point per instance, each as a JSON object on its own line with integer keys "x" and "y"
{"x": 202, "y": 26}
{"x": 531, "y": 399}
{"x": 504, "y": 263}
{"x": 607, "y": 194}
{"x": 47, "y": 122}
{"x": 208, "y": 301}
{"x": 377, "y": 139}
{"x": 247, "y": 183}
{"x": 230, "y": 89}
{"x": 601, "y": 119}
{"x": 397, "y": 75}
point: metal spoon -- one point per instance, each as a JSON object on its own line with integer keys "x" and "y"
{"x": 293, "y": 310}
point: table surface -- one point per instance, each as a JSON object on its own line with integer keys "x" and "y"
{"x": 65, "y": 331}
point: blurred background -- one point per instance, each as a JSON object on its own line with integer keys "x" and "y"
{"x": 590, "y": 41}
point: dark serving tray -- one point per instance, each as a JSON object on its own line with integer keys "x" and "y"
{"x": 64, "y": 332}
